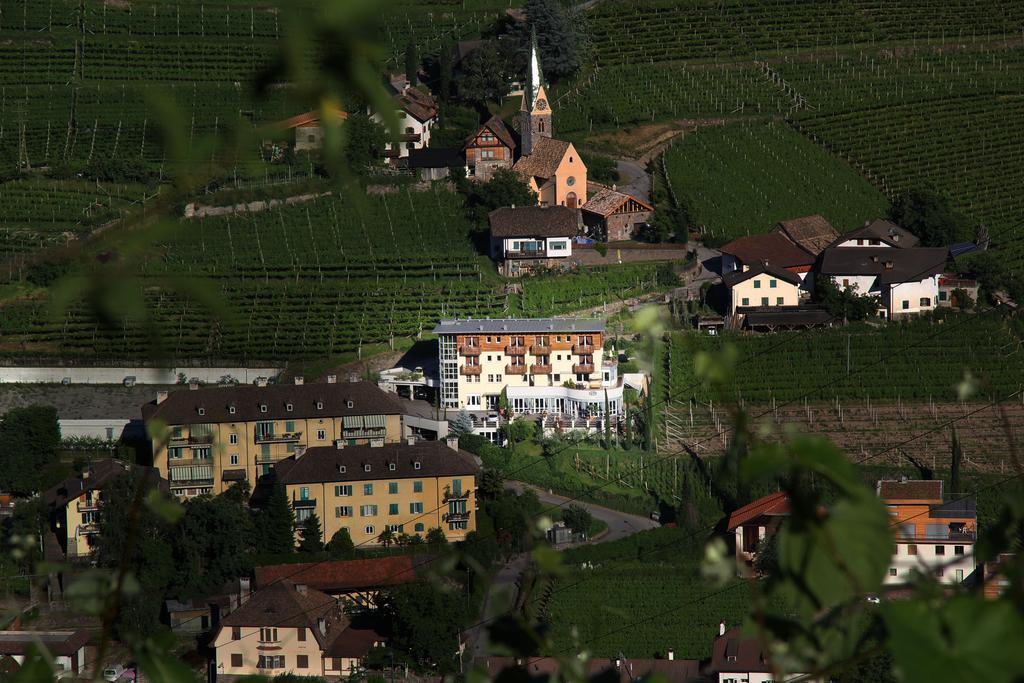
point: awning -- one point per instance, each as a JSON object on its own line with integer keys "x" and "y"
{"x": 353, "y": 422}
{"x": 374, "y": 422}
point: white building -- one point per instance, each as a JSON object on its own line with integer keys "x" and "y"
{"x": 906, "y": 281}
{"x": 877, "y": 233}
{"x": 417, "y": 117}
{"x": 529, "y": 238}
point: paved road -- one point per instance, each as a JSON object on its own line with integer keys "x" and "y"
{"x": 633, "y": 179}
{"x": 620, "y": 524}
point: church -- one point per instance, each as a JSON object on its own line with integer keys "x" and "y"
{"x": 552, "y": 168}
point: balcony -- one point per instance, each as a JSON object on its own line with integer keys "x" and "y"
{"x": 469, "y": 350}
{"x": 515, "y": 350}
{"x": 87, "y": 529}
{"x": 526, "y": 253}
{"x": 540, "y": 350}
{"x": 182, "y": 483}
{"x": 90, "y": 506}
{"x": 410, "y": 137}
{"x": 540, "y": 369}
{"x": 286, "y": 437}
{"x": 583, "y": 369}
{"x": 515, "y": 369}
{"x": 583, "y": 349}
{"x": 455, "y": 517}
{"x": 471, "y": 370}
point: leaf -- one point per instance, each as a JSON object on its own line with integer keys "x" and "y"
{"x": 161, "y": 667}
{"x": 169, "y": 510}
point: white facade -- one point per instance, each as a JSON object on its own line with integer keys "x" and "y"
{"x": 552, "y": 247}
{"x": 903, "y": 298}
{"x": 413, "y": 134}
{"x": 863, "y": 242}
{"x": 949, "y": 562}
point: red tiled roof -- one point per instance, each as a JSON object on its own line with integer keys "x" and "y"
{"x": 342, "y": 575}
{"x": 774, "y": 504}
{"x": 774, "y": 247}
{"x": 307, "y": 118}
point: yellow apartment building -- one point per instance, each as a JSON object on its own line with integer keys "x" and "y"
{"x": 289, "y": 628}
{"x": 407, "y": 488}
{"x": 74, "y": 505}
{"x": 221, "y": 435}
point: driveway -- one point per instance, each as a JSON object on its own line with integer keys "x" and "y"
{"x": 620, "y": 524}
{"x": 633, "y": 179}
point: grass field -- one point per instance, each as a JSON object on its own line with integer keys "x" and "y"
{"x": 741, "y": 179}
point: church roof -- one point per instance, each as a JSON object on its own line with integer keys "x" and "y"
{"x": 543, "y": 161}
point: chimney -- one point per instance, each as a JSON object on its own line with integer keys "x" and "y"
{"x": 671, "y": 655}
{"x": 161, "y": 396}
{"x": 193, "y": 383}
{"x": 322, "y": 623}
{"x": 332, "y": 379}
{"x": 353, "y": 378}
{"x": 888, "y": 265}
{"x": 261, "y": 381}
{"x": 410, "y": 440}
{"x": 339, "y": 444}
{"x": 299, "y": 380}
{"x": 874, "y": 258}
{"x": 300, "y": 588}
{"x": 721, "y": 628}
{"x": 453, "y": 441}
{"x": 618, "y": 663}
{"x": 244, "y": 589}
{"x": 300, "y": 450}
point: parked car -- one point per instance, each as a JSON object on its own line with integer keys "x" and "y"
{"x": 113, "y": 672}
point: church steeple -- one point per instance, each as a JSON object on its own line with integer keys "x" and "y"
{"x": 535, "y": 113}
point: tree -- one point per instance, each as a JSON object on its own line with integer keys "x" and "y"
{"x": 436, "y": 537}
{"x": 364, "y": 139}
{"x": 486, "y": 77}
{"x": 386, "y": 538}
{"x": 424, "y": 621}
{"x": 956, "y": 460}
{"x": 844, "y": 302}
{"x": 412, "y": 64}
{"x": 930, "y": 217}
{"x": 277, "y": 523}
{"x": 444, "y": 66}
{"x": 29, "y": 438}
{"x": 505, "y": 188}
{"x": 310, "y": 540}
{"x": 557, "y": 37}
{"x": 462, "y": 424}
{"x": 213, "y": 542}
{"x": 341, "y": 545}
{"x": 577, "y": 518}
{"x": 492, "y": 483}
{"x": 519, "y": 430}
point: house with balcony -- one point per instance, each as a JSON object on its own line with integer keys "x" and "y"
{"x": 551, "y": 369}
{"x": 217, "y": 436}
{"x": 290, "y": 628}
{"x": 417, "y": 117}
{"x": 74, "y": 504}
{"x": 489, "y": 148}
{"x": 752, "y": 525}
{"x": 905, "y": 280}
{"x": 530, "y": 238}
{"x": 933, "y": 537}
{"x": 407, "y": 488}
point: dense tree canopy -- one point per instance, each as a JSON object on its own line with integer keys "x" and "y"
{"x": 843, "y": 303}
{"x": 425, "y": 620}
{"x": 931, "y": 218}
{"x": 486, "y": 76}
{"x": 29, "y": 438}
{"x": 277, "y": 523}
{"x": 557, "y": 37}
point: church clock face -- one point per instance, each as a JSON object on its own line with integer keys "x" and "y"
{"x": 542, "y": 104}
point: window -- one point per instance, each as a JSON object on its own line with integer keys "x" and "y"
{"x": 397, "y": 528}
{"x": 458, "y": 524}
{"x": 302, "y": 634}
{"x": 757, "y": 284}
{"x": 268, "y": 635}
{"x": 234, "y": 458}
{"x": 367, "y": 489}
{"x": 926, "y": 302}
{"x": 416, "y": 508}
{"x": 343, "y": 490}
{"x": 319, "y": 405}
{"x": 457, "y": 487}
{"x": 202, "y": 411}
{"x": 304, "y": 493}
{"x": 393, "y": 508}
{"x": 289, "y": 426}
{"x": 341, "y": 470}
{"x": 366, "y": 467}
{"x": 943, "y": 296}
{"x": 744, "y": 301}
{"x": 570, "y": 181}
{"x": 892, "y": 571}
{"x": 236, "y": 660}
{"x": 772, "y": 284}
{"x": 779, "y": 301}
{"x": 473, "y": 400}
{"x": 958, "y": 550}
{"x": 939, "y": 572}
{"x": 959, "y": 575}
{"x": 321, "y": 434}
{"x": 343, "y": 511}
{"x": 764, "y": 301}
{"x": 289, "y": 407}
{"x": 233, "y": 439}
{"x": 911, "y": 549}
{"x": 940, "y": 550}
{"x": 392, "y": 487}
{"x": 417, "y": 486}
{"x": 236, "y": 633}
{"x": 302, "y": 661}
{"x": 263, "y": 407}
{"x": 270, "y": 662}
{"x": 419, "y": 526}
{"x": 906, "y": 304}
{"x": 369, "y": 529}
{"x": 368, "y": 511}
{"x": 391, "y": 468}
{"x": 908, "y": 530}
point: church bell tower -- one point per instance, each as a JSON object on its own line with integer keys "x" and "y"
{"x": 535, "y": 111}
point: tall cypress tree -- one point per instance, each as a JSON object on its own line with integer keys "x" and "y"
{"x": 310, "y": 535}
{"x": 412, "y": 64}
{"x": 277, "y": 523}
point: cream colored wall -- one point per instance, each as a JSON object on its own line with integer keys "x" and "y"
{"x": 250, "y": 454}
{"x": 790, "y": 293}
{"x": 77, "y": 542}
{"x": 432, "y": 498}
{"x": 249, "y": 647}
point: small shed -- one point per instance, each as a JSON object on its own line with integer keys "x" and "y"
{"x": 308, "y": 134}
{"x": 613, "y": 216}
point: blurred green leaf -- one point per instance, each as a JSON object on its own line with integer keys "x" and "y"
{"x": 170, "y": 510}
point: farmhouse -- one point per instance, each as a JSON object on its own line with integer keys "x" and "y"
{"x": 220, "y": 435}
{"x": 906, "y": 280}
{"x": 417, "y": 117}
{"x": 877, "y": 233}
{"x": 737, "y": 658}
{"x": 957, "y": 292}
{"x": 762, "y": 285}
{"x": 290, "y": 628}
{"x": 811, "y": 233}
{"x": 528, "y": 238}
{"x": 552, "y": 168}
{"x": 773, "y": 249}
{"x": 752, "y": 524}
{"x": 613, "y": 216}
{"x": 307, "y": 131}
{"x": 932, "y": 537}
{"x": 491, "y": 147}
{"x": 405, "y": 488}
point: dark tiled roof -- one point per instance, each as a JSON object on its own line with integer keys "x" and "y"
{"x": 543, "y": 161}
{"x": 321, "y": 464}
{"x": 353, "y": 642}
{"x": 599, "y": 668}
{"x": 58, "y": 643}
{"x": 100, "y": 474}
{"x": 500, "y": 130}
{"x": 736, "y": 277}
{"x": 417, "y": 104}
{"x": 607, "y": 201}
{"x": 182, "y": 407}
{"x": 343, "y": 575}
{"x": 281, "y": 604}
{"x": 435, "y": 157}
{"x": 812, "y": 233}
{"x": 733, "y": 652}
{"x": 773, "y": 247}
{"x": 772, "y": 504}
{"x": 908, "y": 265}
{"x": 910, "y": 489}
{"x": 533, "y": 221}
{"x": 882, "y": 230}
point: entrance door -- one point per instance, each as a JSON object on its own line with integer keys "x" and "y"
{"x": 570, "y": 200}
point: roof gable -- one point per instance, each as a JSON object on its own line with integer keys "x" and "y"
{"x": 811, "y": 233}
{"x": 545, "y": 159}
{"x": 606, "y": 201}
{"x": 533, "y": 221}
{"x": 498, "y": 128}
{"x": 736, "y": 277}
{"x": 773, "y": 504}
{"x": 773, "y": 247}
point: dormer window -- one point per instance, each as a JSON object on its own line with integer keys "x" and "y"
{"x": 288, "y": 407}
{"x": 202, "y": 411}
{"x": 342, "y": 469}
{"x": 319, "y": 405}
{"x": 263, "y": 407}
{"x": 416, "y": 465}
{"x": 349, "y": 404}
{"x": 366, "y": 467}
{"x": 231, "y": 410}
{"x": 391, "y": 466}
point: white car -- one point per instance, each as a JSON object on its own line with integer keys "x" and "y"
{"x": 113, "y": 672}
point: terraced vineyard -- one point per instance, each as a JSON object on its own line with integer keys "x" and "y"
{"x": 741, "y": 179}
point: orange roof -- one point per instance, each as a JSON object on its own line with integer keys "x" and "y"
{"x": 342, "y": 575}
{"x": 307, "y": 118}
{"x": 773, "y": 504}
